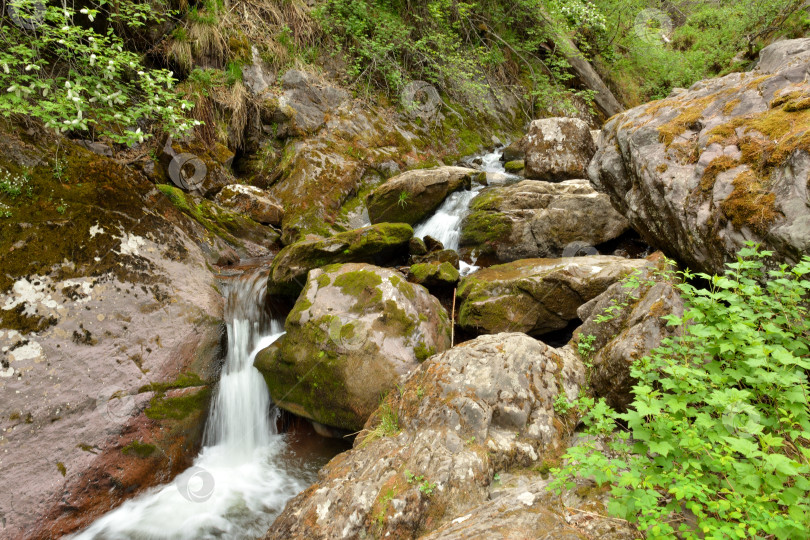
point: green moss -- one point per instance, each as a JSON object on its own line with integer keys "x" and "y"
{"x": 61, "y": 468}
{"x": 396, "y": 320}
{"x": 324, "y": 280}
{"x": 177, "y": 408}
{"x": 139, "y": 449}
{"x": 485, "y": 229}
{"x": 514, "y": 166}
{"x": 362, "y": 285}
{"x": 422, "y": 352}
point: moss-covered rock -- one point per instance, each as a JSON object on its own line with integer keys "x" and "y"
{"x": 253, "y": 202}
{"x": 373, "y": 244}
{"x": 355, "y": 332}
{"x": 413, "y": 195}
{"x": 539, "y": 219}
{"x": 434, "y": 274}
{"x": 535, "y": 296}
{"x": 514, "y": 166}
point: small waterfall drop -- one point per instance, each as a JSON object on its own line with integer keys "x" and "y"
{"x": 445, "y": 224}
{"x": 240, "y": 480}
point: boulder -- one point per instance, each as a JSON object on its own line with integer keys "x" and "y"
{"x": 622, "y": 336}
{"x": 428, "y": 454}
{"x": 414, "y": 195}
{"x": 374, "y": 244}
{"x": 536, "y": 296}
{"x": 557, "y": 149}
{"x": 702, "y": 172}
{"x": 514, "y": 152}
{"x": 539, "y": 219}
{"x": 434, "y": 274}
{"x": 355, "y": 332}
{"x": 106, "y": 302}
{"x": 251, "y": 201}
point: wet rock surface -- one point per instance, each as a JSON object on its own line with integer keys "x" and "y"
{"x": 106, "y": 305}
{"x": 252, "y": 201}
{"x": 707, "y": 169}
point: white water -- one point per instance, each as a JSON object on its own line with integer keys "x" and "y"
{"x": 238, "y": 482}
{"x": 445, "y": 224}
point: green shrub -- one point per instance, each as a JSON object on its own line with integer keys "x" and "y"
{"x": 70, "y": 68}
{"x": 719, "y": 430}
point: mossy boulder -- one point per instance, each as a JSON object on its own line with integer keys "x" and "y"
{"x": 434, "y": 274}
{"x": 706, "y": 170}
{"x": 414, "y": 195}
{"x": 355, "y": 332}
{"x": 253, "y": 202}
{"x": 536, "y": 296}
{"x": 557, "y": 149}
{"x": 378, "y": 244}
{"x": 539, "y": 219}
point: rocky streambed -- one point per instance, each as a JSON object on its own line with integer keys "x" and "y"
{"x": 433, "y": 318}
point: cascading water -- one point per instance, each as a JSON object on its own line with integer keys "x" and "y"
{"x": 445, "y": 224}
{"x": 240, "y": 480}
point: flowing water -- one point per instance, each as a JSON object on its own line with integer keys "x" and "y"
{"x": 245, "y": 472}
{"x": 445, "y": 224}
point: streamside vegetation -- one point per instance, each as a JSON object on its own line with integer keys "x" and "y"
{"x": 716, "y": 443}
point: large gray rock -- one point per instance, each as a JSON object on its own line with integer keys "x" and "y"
{"x": 703, "y": 171}
{"x": 539, "y": 219}
{"x": 625, "y": 335}
{"x": 413, "y": 195}
{"x": 355, "y": 332}
{"x": 374, "y": 244}
{"x": 429, "y": 453}
{"x": 304, "y": 104}
{"x": 557, "y": 149}
{"x": 535, "y": 296}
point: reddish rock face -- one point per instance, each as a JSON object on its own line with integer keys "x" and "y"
{"x": 106, "y": 305}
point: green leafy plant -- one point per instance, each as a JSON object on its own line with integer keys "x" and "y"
{"x": 720, "y": 425}
{"x": 403, "y": 199}
{"x": 427, "y": 487}
{"x": 70, "y": 68}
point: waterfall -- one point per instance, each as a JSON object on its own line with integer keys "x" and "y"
{"x": 239, "y": 482}
{"x": 445, "y": 224}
